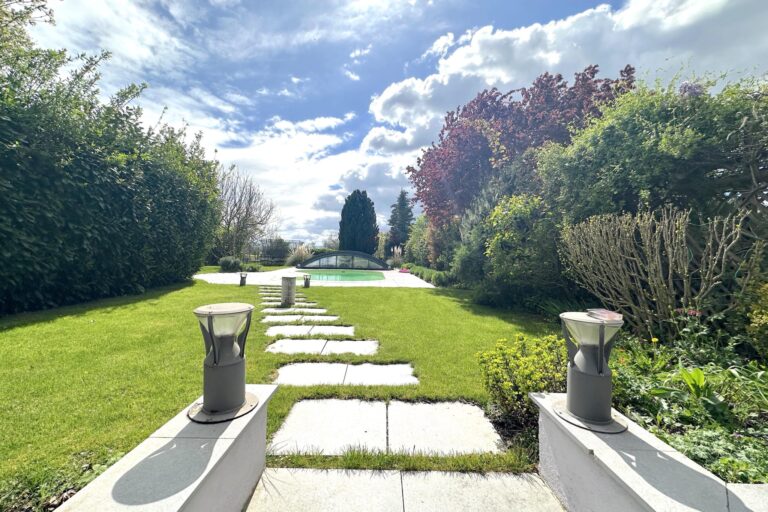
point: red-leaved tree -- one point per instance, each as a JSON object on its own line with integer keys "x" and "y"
{"x": 495, "y": 127}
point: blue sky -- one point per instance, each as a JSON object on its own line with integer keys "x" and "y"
{"x": 316, "y": 98}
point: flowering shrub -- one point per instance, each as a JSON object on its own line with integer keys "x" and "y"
{"x": 513, "y": 369}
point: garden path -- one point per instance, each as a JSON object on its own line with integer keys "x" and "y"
{"x": 332, "y": 427}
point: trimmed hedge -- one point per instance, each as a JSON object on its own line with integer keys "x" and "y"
{"x": 436, "y": 277}
{"x": 91, "y": 204}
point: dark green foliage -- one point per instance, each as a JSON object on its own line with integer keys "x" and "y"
{"x": 436, "y": 277}
{"x": 92, "y": 204}
{"x": 230, "y": 264}
{"x": 416, "y": 249}
{"x": 358, "y": 230}
{"x": 276, "y": 249}
{"x": 400, "y": 222}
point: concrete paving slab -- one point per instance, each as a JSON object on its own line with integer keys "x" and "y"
{"x": 310, "y": 374}
{"x": 747, "y": 497}
{"x": 335, "y": 490}
{"x": 319, "y": 318}
{"x": 332, "y": 330}
{"x": 288, "y": 311}
{"x": 289, "y": 346}
{"x": 332, "y": 427}
{"x": 380, "y": 375}
{"x": 358, "y": 347}
{"x": 492, "y": 492}
{"x": 441, "y": 429}
{"x": 289, "y": 330}
{"x": 272, "y": 303}
{"x": 276, "y": 319}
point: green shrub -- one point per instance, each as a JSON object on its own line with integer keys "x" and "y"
{"x": 253, "y": 267}
{"x": 416, "y": 248}
{"x": 436, "y": 277}
{"x": 513, "y": 369}
{"x": 758, "y": 323}
{"x": 230, "y": 264}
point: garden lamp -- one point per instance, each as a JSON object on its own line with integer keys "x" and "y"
{"x": 589, "y": 338}
{"x": 243, "y": 276}
{"x": 307, "y": 279}
{"x": 225, "y": 329}
{"x": 288, "y": 291}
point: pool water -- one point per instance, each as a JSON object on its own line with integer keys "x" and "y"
{"x": 344, "y": 275}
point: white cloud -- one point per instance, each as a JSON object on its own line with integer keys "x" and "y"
{"x": 360, "y": 52}
{"x": 658, "y": 37}
{"x": 440, "y": 47}
{"x": 295, "y": 80}
{"x": 351, "y": 75}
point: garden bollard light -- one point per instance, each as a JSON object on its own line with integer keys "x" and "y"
{"x": 288, "y": 291}
{"x": 589, "y": 338}
{"x": 225, "y": 329}
{"x": 307, "y": 279}
{"x": 243, "y": 276}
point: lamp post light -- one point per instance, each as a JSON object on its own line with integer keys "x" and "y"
{"x": 288, "y": 291}
{"x": 589, "y": 338}
{"x": 307, "y": 279}
{"x": 243, "y": 276}
{"x": 225, "y": 329}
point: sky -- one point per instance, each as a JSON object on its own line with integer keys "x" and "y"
{"x": 316, "y": 98}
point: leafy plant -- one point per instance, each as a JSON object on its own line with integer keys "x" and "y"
{"x": 513, "y": 369}
{"x": 230, "y": 264}
{"x": 697, "y": 392}
{"x": 298, "y": 254}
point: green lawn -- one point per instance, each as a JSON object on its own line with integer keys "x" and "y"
{"x": 84, "y": 384}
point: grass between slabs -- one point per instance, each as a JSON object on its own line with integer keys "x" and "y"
{"x": 83, "y": 384}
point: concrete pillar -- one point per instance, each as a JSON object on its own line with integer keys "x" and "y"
{"x": 288, "y": 291}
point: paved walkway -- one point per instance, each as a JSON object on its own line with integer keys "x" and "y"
{"x": 338, "y": 490}
{"x": 392, "y": 279}
{"x": 333, "y": 427}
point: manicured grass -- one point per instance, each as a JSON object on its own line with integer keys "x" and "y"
{"x": 92, "y": 381}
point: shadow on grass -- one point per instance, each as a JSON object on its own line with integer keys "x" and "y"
{"x": 530, "y": 323}
{"x": 107, "y": 305}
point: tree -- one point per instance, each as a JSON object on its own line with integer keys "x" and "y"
{"x": 485, "y": 135}
{"x": 400, "y": 222}
{"x": 417, "y": 247}
{"x": 358, "y": 229}
{"x": 246, "y": 214}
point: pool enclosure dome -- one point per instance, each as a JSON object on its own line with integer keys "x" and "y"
{"x": 344, "y": 259}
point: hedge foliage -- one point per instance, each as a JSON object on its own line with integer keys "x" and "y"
{"x": 91, "y": 203}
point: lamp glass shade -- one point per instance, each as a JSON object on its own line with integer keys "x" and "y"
{"x": 585, "y": 329}
{"x": 228, "y": 318}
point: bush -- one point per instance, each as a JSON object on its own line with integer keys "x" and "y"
{"x": 230, "y": 264}
{"x": 436, "y": 277}
{"x": 512, "y": 370}
{"x": 121, "y": 207}
{"x": 253, "y": 267}
{"x": 416, "y": 248}
{"x": 758, "y": 323}
{"x": 298, "y": 254}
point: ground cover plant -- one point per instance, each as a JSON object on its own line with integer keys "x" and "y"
{"x": 144, "y": 356}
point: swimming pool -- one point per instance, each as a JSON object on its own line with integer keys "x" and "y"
{"x": 344, "y": 275}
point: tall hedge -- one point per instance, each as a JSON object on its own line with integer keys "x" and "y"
{"x": 91, "y": 203}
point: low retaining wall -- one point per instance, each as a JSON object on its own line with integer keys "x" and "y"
{"x": 186, "y": 466}
{"x": 631, "y": 471}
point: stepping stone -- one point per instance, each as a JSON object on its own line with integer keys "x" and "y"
{"x": 319, "y": 318}
{"x": 310, "y": 374}
{"x": 357, "y": 347}
{"x": 332, "y": 330}
{"x": 312, "y": 311}
{"x": 332, "y": 427}
{"x": 324, "y": 347}
{"x": 289, "y": 330}
{"x": 491, "y": 492}
{"x": 276, "y": 319}
{"x": 440, "y": 429}
{"x": 271, "y": 303}
{"x": 380, "y": 375}
{"x": 289, "y": 346}
{"x": 289, "y": 490}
